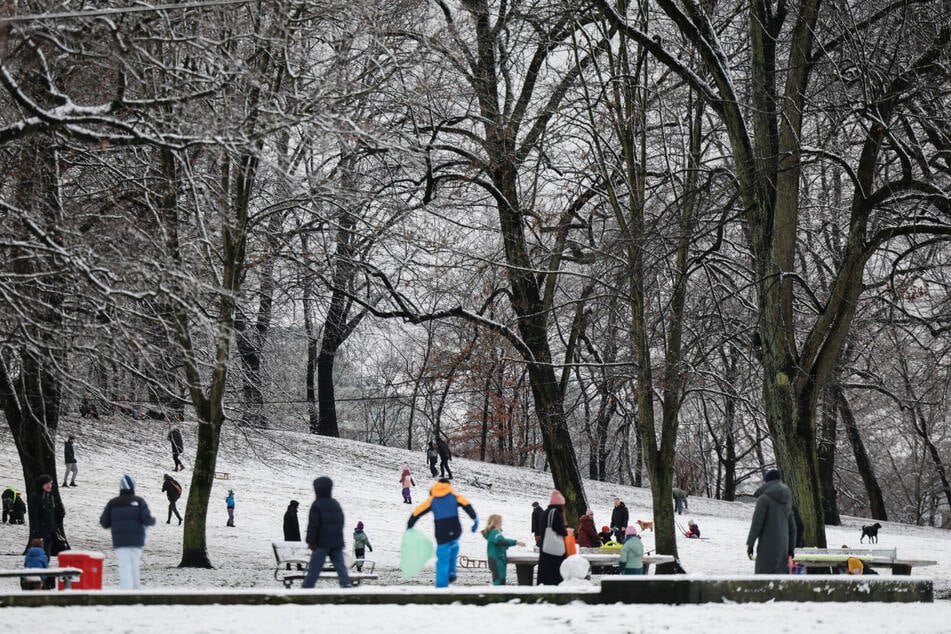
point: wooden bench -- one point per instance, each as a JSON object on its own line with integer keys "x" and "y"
{"x": 67, "y": 574}
{"x": 293, "y": 558}
{"x": 834, "y": 560}
{"x": 525, "y": 563}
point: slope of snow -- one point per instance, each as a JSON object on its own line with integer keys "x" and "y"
{"x": 267, "y": 469}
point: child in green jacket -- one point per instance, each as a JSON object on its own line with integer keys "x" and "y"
{"x": 361, "y": 544}
{"x": 632, "y": 553}
{"x": 496, "y": 548}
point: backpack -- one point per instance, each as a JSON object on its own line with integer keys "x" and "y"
{"x": 175, "y": 486}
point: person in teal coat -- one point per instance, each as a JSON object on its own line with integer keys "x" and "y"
{"x": 497, "y": 548}
{"x": 632, "y": 553}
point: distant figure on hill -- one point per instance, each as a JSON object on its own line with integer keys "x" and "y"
{"x": 680, "y": 500}
{"x": 406, "y": 481}
{"x": 69, "y": 454}
{"x": 7, "y": 497}
{"x": 178, "y": 447}
{"x": 325, "y": 535}
{"x": 87, "y": 409}
{"x": 18, "y": 515}
{"x": 172, "y": 490}
{"x": 229, "y": 505}
{"x": 431, "y": 457}
{"x": 773, "y": 529}
{"x": 361, "y": 544}
{"x": 442, "y": 447}
{"x": 693, "y": 530}
{"x": 127, "y": 516}
{"x": 291, "y": 523}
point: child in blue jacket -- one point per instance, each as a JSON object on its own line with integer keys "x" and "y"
{"x": 36, "y": 557}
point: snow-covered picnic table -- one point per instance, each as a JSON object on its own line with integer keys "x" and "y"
{"x": 525, "y": 562}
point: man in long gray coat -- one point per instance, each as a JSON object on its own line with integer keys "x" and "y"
{"x": 773, "y": 526}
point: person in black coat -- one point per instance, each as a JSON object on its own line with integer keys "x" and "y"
{"x": 431, "y": 457}
{"x": 537, "y": 525}
{"x": 172, "y": 490}
{"x": 325, "y": 534}
{"x": 42, "y": 509}
{"x": 291, "y": 524}
{"x": 178, "y": 447}
{"x": 619, "y": 519}
{"x": 549, "y": 563}
{"x": 442, "y": 448}
{"x": 69, "y": 455}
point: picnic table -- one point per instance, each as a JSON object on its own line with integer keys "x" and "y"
{"x": 67, "y": 573}
{"x": 834, "y": 560}
{"x": 525, "y": 563}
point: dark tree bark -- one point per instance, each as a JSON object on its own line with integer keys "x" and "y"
{"x": 862, "y": 461}
{"x": 826, "y": 451}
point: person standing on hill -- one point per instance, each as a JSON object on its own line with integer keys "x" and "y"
{"x": 325, "y": 535}
{"x": 445, "y": 502}
{"x": 42, "y": 508}
{"x": 69, "y": 454}
{"x": 229, "y": 505}
{"x": 442, "y": 447}
{"x": 680, "y": 500}
{"x": 406, "y": 481}
{"x": 127, "y": 516}
{"x": 431, "y": 457}
{"x": 537, "y": 527}
{"x": 619, "y": 519}
{"x": 773, "y": 529}
{"x": 9, "y": 494}
{"x": 291, "y": 523}
{"x": 172, "y": 490}
{"x": 178, "y": 448}
{"x": 361, "y": 544}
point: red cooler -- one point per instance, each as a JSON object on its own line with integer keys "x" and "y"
{"x": 89, "y": 562}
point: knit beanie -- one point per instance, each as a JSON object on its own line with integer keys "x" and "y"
{"x": 126, "y": 483}
{"x": 772, "y": 474}
{"x": 359, "y": 526}
{"x": 43, "y": 479}
{"x": 630, "y": 530}
{"x": 605, "y": 529}
{"x": 557, "y": 499}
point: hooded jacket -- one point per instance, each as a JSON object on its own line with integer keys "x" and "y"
{"x": 444, "y": 503}
{"x": 619, "y": 517}
{"x": 127, "y": 516}
{"x": 291, "y": 524}
{"x": 325, "y": 523}
{"x": 42, "y": 508}
{"x": 773, "y": 527}
{"x": 587, "y": 535}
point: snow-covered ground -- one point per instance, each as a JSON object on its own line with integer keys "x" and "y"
{"x": 268, "y": 469}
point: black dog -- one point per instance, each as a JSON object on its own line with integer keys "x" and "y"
{"x": 871, "y": 532}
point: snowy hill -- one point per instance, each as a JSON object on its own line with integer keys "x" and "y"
{"x": 267, "y": 469}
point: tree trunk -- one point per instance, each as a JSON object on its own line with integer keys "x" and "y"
{"x": 827, "y": 447}
{"x": 862, "y": 462}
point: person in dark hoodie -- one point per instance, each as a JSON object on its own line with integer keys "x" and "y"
{"x": 444, "y": 503}
{"x": 69, "y": 456}
{"x": 537, "y": 528}
{"x": 127, "y": 516}
{"x": 325, "y": 535}
{"x": 773, "y": 529}
{"x": 42, "y": 508}
{"x": 172, "y": 490}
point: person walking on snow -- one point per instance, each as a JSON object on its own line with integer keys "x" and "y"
{"x": 361, "y": 544}
{"x": 70, "y": 456}
{"x": 496, "y": 549}
{"x": 680, "y": 500}
{"x": 178, "y": 448}
{"x": 325, "y": 535}
{"x": 127, "y": 516}
{"x": 773, "y": 529}
{"x": 442, "y": 448}
{"x": 173, "y": 491}
{"x": 431, "y": 457}
{"x": 229, "y": 504}
{"x": 9, "y": 494}
{"x": 406, "y": 481}
{"x": 291, "y": 523}
{"x": 445, "y": 502}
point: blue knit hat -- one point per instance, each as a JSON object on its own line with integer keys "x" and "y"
{"x": 127, "y": 483}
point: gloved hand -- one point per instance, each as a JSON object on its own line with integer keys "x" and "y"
{"x": 475, "y": 524}
{"x": 749, "y": 553}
